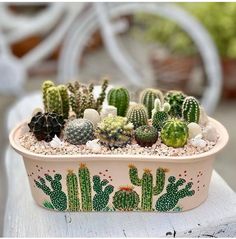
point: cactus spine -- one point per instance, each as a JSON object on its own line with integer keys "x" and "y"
{"x": 72, "y": 191}
{"x": 191, "y": 109}
{"x": 137, "y": 114}
{"x": 148, "y": 189}
{"x": 148, "y": 97}
{"x": 119, "y": 97}
{"x": 85, "y": 187}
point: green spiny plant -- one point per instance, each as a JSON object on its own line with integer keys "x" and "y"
{"x": 119, "y": 97}
{"x": 85, "y": 188}
{"x": 146, "y": 182}
{"x": 46, "y": 125}
{"x": 191, "y": 109}
{"x": 174, "y": 133}
{"x": 101, "y": 198}
{"x": 169, "y": 200}
{"x": 126, "y": 199}
{"x": 65, "y": 100}
{"x": 46, "y": 84}
{"x": 148, "y": 97}
{"x": 137, "y": 115}
{"x": 114, "y": 131}
{"x": 72, "y": 191}
{"x": 160, "y": 114}
{"x": 146, "y": 135}
{"x": 79, "y": 131}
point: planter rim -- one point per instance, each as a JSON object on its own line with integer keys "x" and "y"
{"x": 221, "y": 143}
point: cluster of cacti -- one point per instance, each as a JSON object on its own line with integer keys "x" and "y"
{"x": 119, "y": 97}
{"x": 82, "y": 97}
{"x": 146, "y": 135}
{"x": 146, "y": 182}
{"x": 55, "y": 98}
{"x": 46, "y": 125}
{"x": 79, "y": 131}
{"x": 137, "y": 115}
{"x": 114, "y": 131}
{"x": 160, "y": 114}
{"x": 101, "y": 198}
{"x": 126, "y": 199}
{"x": 191, "y": 110}
{"x": 148, "y": 97}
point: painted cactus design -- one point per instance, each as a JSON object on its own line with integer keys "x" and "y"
{"x": 148, "y": 189}
{"x": 85, "y": 188}
{"x": 101, "y": 198}
{"x": 172, "y": 196}
{"x": 57, "y": 196}
{"x": 72, "y": 191}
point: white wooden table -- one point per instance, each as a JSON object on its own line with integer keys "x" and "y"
{"x": 23, "y": 218}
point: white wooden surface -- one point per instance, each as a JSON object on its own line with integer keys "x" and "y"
{"x": 23, "y": 218}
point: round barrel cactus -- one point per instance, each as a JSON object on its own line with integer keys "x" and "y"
{"x": 146, "y": 135}
{"x": 174, "y": 133}
{"x": 191, "y": 109}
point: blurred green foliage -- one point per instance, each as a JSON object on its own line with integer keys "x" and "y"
{"x": 219, "y": 18}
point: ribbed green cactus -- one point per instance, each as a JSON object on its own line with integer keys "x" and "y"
{"x": 146, "y": 135}
{"x": 126, "y": 199}
{"x": 191, "y": 109}
{"x": 85, "y": 188}
{"x": 54, "y": 100}
{"x": 46, "y": 84}
{"x": 160, "y": 114}
{"x": 174, "y": 133}
{"x": 137, "y": 115}
{"x": 119, "y": 97}
{"x": 65, "y": 100}
{"x": 101, "y": 198}
{"x": 148, "y": 189}
{"x": 72, "y": 191}
{"x": 148, "y": 97}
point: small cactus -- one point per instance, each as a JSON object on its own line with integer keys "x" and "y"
{"x": 191, "y": 109}
{"x": 65, "y": 100}
{"x": 54, "y": 100}
{"x": 160, "y": 114}
{"x": 146, "y": 135}
{"x": 148, "y": 97}
{"x": 114, "y": 131}
{"x": 46, "y": 84}
{"x": 119, "y": 97}
{"x": 126, "y": 199}
{"x": 137, "y": 115}
{"x": 79, "y": 131}
{"x": 174, "y": 133}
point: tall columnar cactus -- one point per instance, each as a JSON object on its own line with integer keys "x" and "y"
{"x": 146, "y": 182}
{"x": 54, "y": 100}
{"x": 126, "y": 199}
{"x": 137, "y": 114}
{"x": 119, "y": 97}
{"x": 64, "y": 100}
{"x": 72, "y": 191}
{"x": 45, "y": 86}
{"x": 175, "y": 99}
{"x": 148, "y": 97}
{"x": 174, "y": 133}
{"x": 191, "y": 109}
{"x": 101, "y": 198}
{"x": 169, "y": 200}
{"x": 57, "y": 196}
{"x": 85, "y": 188}
{"x": 160, "y": 114}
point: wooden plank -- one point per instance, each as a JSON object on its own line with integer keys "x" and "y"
{"x": 23, "y": 218}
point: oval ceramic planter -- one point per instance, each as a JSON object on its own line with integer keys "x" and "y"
{"x": 118, "y": 182}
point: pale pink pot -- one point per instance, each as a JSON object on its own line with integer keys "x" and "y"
{"x": 196, "y": 170}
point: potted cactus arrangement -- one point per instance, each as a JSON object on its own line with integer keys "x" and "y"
{"x": 114, "y": 153}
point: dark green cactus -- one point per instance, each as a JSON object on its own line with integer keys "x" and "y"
{"x": 174, "y": 133}
{"x": 126, "y": 199}
{"x": 119, "y": 97}
{"x": 148, "y": 97}
{"x": 146, "y": 135}
{"x": 57, "y": 196}
{"x": 64, "y": 100}
{"x": 46, "y": 84}
{"x": 101, "y": 198}
{"x": 102, "y": 95}
{"x": 85, "y": 188}
{"x": 169, "y": 200}
{"x": 72, "y": 191}
{"x": 191, "y": 109}
{"x": 148, "y": 189}
{"x": 137, "y": 115}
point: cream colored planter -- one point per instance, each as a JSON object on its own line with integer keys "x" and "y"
{"x": 74, "y": 183}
